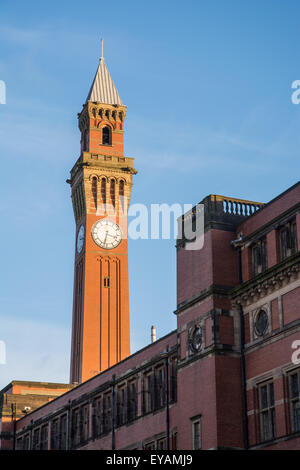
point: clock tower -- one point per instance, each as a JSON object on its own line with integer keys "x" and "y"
{"x": 101, "y": 182}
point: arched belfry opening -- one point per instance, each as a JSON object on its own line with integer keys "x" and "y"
{"x": 106, "y": 135}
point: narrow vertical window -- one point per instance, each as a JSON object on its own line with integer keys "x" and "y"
{"x": 173, "y": 380}
{"x": 113, "y": 192}
{"x": 259, "y": 257}
{"x": 98, "y": 417}
{"x": 132, "y": 400}
{"x": 36, "y": 439}
{"x": 121, "y": 194}
{"x": 288, "y": 240}
{"x": 159, "y": 388}
{"x": 54, "y": 435}
{"x": 196, "y": 434}
{"x": 121, "y": 406}
{"x": 85, "y": 145}
{"x": 44, "y": 437}
{"x": 63, "y": 433}
{"x": 85, "y": 423}
{"x": 161, "y": 444}
{"x": 94, "y": 191}
{"x": 148, "y": 392}
{"x": 294, "y": 396}
{"x": 103, "y": 193}
{"x": 107, "y": 413}
{"x": 267, "y": 411}
{"x": 106, "y": 135}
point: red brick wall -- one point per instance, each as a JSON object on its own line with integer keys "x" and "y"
{"x": 194, "y": 270}
{"x": 225, "y": 261}
{"x": 291, "y": 306}
{"x": 226, "y": 332}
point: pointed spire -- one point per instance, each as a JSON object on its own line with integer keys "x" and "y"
{"x": 103, "y": 88}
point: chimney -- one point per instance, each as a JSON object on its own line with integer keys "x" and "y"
{"x": 153, "y": 334}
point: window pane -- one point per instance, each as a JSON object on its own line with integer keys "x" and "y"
{"x": 196, "y": 435}
{"x": 271, "y": 390}
{"x": 296, "y": 416}
{"x": 294, "y": 386}
{"x": 265, "y": 425}
{"x": 294, "y": 237}
{"x": 263, "y": 397}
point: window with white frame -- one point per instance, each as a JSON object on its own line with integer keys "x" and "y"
{"x": 196, "y": 433}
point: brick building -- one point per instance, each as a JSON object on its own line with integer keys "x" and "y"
{"x": 225, "y": 378}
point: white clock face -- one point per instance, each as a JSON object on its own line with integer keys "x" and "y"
{"x": 80, "y": 239}
{"x": 106, "y": 234}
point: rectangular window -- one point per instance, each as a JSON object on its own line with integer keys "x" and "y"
{"x": 148, "y": 392}
{"x": 132, "y": 400}
{"x": 259, "y": 257}
{"x": 98, "y": 417}
{"x": 159, "y": 393}
{"x": 26, "y": 445}
{"x": 294, "y": 395}
{"x": 106, "y": 282}
{"x": 150, "y": 446}
{"x": 173, "y": 379}
{"x": 161, "y": 444}
{"x": 121, "y": 406}
{"x": 63, "y": 432}
{"x": 288, "y": 240}
{"x": 107, "y": 413}
{"x": 85, "y": 423}
{"x": 76, "y": 426}
{"x": 44, "y": 437}
{"x": 19, "y": 445}
{"x": 267, "y": 411}
{"x": 196, "y": 434}
{"x": 55, "y": 434}
{"x": 174, "y": 441}
{"x": 36, "y": 439}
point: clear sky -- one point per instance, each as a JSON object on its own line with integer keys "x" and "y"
{"x": 207, "y": 84}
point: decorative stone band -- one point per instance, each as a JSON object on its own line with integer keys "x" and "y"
{"x": 265, "y": 283}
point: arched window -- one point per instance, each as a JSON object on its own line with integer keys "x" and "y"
{"x": 113, "y": 192}
{"x": 121, "y": 194}
{"x": 103, "y": 192}
{"x": 94, "y": 191}
{"x": 85, "y": 146}
{"x": 106, "y": 135}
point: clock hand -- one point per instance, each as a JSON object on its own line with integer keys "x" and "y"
{"x": 113, "y": 236}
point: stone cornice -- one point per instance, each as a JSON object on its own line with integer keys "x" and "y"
{"x": 265, "y": 283}
{"x": 221, "y": 291}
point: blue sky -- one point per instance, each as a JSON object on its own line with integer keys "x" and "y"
{"x": 207, "y": 86}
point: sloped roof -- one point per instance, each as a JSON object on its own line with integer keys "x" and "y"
{"x": 103, "y": 88}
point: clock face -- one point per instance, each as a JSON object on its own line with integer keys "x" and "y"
{"x": 106, "y": 234}
{"x": 80, "y": 239}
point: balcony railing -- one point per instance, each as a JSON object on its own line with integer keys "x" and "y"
{"x": 233, "y": 206}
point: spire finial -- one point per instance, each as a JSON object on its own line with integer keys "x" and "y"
{"x": 101, "y": 49}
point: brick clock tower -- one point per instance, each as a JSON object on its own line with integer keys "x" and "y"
{"x": 101, "y": 182}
